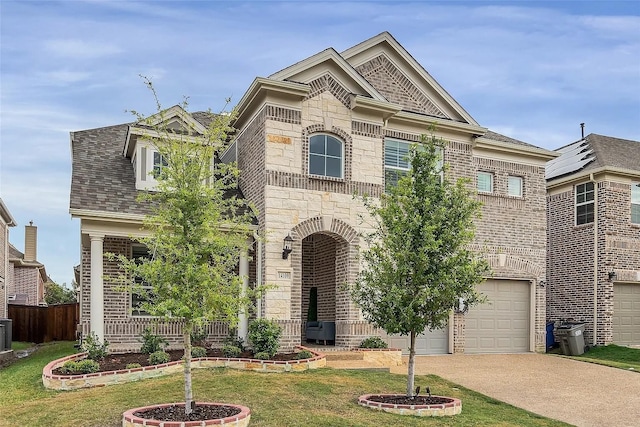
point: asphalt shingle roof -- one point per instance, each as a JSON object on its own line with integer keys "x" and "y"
{"x": 613, "y": 152}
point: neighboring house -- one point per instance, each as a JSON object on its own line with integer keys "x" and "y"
{"x": 309, "y": 137}
{"x": 6, "y": 221}
{"x": 594, "y": 202}
{"x": 26, "y": 276}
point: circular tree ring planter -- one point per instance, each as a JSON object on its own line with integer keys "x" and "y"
{"x": 240, "y": 419}
{"x": 446, "y": 406}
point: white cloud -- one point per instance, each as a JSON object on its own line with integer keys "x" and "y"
{"x": 79, "y": 48}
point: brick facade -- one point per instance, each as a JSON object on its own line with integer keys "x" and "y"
{"x": 4, "y": 266}
{"x": 573, "y": 266}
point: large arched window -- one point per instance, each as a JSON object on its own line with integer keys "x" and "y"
{"x": 325, "y": 156}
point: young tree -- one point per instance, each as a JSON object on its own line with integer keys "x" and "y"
{"x": 418, "y": 265}
{"x": 58, "y": 294}
{"x": 198, "y": 229}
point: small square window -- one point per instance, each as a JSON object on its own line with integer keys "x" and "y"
{"x": 514, "y": 186}
{"x": 485, "y": 182}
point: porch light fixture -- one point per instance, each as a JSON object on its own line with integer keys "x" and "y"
{"x": 612, "y": 275}
{"x": 287, "y": 245}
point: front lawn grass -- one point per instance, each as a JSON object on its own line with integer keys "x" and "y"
{"x": 613, "y": 355}
{"x": 324, "y": 397}
{"x": 19, "y": 345}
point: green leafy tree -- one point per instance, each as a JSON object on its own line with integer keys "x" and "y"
{"x": 417, "y": 264}
{"x": 55, "y": 294}
{"x": 197, "y": 231}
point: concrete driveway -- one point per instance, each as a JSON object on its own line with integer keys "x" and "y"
{"x": 582, "y": 394}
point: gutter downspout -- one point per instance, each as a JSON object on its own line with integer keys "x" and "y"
{"x": 595, "y": 259}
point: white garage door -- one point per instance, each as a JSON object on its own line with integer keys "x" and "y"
{"x": 626, "y": 314}
{"x": 429, "y": 342}
{"x": 501, "y": 324}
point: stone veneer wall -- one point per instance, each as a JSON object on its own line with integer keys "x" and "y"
{"x": 570, "y": 260}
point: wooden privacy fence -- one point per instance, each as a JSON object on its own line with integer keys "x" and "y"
{"x": 44, "y": 324}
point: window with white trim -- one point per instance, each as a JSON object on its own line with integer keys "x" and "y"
{"x": 139, "y": 252}
{"x": 326, "y": 154}
{"x": 485, "y": 182}
{"x": 635, "y": 202}
{"x": 585, "y": 205}
{"x": 397, "y": 162}
{"x": 514, "y": 186}
{"x": 159, "y": 163}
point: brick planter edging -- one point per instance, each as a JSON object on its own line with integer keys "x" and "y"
{"x": 100, "y": 379}
{"x": 239, "y": 420}
{"x": 438, "y": 410}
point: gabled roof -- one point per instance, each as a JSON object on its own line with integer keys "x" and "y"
{"x": 595, "y": 152}
{"x": 328, "y": 61}
{"x": 384, "y": 44}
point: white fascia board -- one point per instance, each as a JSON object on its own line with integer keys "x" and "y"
{"x": 406, "y": 56}
{"x": 491, "y": 144}
{"x": 106, "y": 216}
{"x": 385, "y": 108}
{"x": 319, "y": 58}
{"x": 261, "y": 84}
{"x": 582, "y": 175}
{"x": 175, "y": 111}
{"x": 6, "y": 215}
{"x": 439, "y": 123}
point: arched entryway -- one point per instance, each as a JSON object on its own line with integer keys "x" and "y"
{"x": 328, "y": 261}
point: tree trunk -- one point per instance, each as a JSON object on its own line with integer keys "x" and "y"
{"x": 412, "y": 363}
{"x": 188, "y": 390}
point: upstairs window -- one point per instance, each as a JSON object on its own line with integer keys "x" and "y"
{"x": 635, "y": 203}
{"x": 485, "y": 182}
{"x": 585, "y": 203}
{"x": 514, "y": 186}
{"x": 397, "y": 162}
{"x": 159, "y": 163}
{"x": 326, "y": 155}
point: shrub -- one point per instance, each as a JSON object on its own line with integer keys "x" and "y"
{"x": 69, "y": 367}
{"x": 233, "y": 340}
{"x": 373, "y": 342}
{"x": 133, "y": 365}
{"x": 159, "y": 357}
{"x": 231, "y": 350}
{"x": 86, "y": 366}
{"x": 198, "y": 335}
{"x": 304, "y": 354}
{"x": 152, "y": 342}
{"x": 198, "y": 352}
{"x": 264, "y": 336}
{"x": 95, "y": 350}
{"x": 263, "y": 355}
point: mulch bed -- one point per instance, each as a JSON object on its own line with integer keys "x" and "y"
{"x": 176, "y": 413}
{"x": 406, "y": 400}
{"x": 114, "y": 362}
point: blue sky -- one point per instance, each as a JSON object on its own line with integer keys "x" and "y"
{"x": 531, "y": 70}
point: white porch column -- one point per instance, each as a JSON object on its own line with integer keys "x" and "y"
{"x": 97, "y": 285}
{"x": 243, "y": 318}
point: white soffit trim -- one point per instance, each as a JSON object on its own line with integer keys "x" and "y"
{"x": 6, "y": 215}
{"x": 398, "y": 49}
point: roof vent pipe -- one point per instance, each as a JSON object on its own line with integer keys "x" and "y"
{"x": 582, "y": 129}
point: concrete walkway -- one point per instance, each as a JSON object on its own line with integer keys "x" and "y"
{"x": 582, "y": 394}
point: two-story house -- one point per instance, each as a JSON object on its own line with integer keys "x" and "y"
{"x": 593, "y": 259}
{"x": 26, "y": 275}
{"x": 308, "y": 138}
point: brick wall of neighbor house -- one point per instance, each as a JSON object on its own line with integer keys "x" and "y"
{"x": 618, "y": 250}
{"x": 569, "y": 263}
{"x": 121, "y": 328}
{"x": 27, "y": 280}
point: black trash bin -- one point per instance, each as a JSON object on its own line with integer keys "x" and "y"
{"x": 8, "y": 325}
{"x": 1, "y": 337}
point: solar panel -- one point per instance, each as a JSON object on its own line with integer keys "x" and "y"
{"x": 573, "y": 157}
